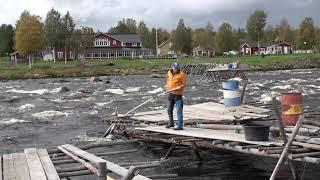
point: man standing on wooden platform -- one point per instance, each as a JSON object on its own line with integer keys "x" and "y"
{"x": 175, "y": 85}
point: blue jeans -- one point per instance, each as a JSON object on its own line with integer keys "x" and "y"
{"x": 178, "y": 101}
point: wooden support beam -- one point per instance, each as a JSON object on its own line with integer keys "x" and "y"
{"x": 92, "y": 158}
{"x": 97, "y": 145}
{"x": 83, "y": 162}
{"x": 75, "y": 173}
{"x": 169, "y": 152}
{"x": 132, "y": 172}
{"x": 196, "y": 150}
{"x": 286, "y": 149}
{"x": 97, "y": 154}
{"x": 301, "y": 155}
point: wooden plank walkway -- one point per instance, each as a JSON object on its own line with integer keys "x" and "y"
{"x": 33, "y": 164}
{"x": 110, "y": 166}
{"x": 206, "y": 111}
{"x": 227, "y": 135}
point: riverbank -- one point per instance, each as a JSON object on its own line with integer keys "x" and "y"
{"x": 89, "y": 68}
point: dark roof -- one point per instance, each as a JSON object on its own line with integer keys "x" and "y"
{"x": 255, "y": 44}
{"x": 129, "y": 38}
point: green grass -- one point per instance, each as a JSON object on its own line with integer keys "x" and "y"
{"x": 43, "y": 69}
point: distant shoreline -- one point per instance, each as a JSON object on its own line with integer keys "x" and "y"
{"x": 91, "y": 68}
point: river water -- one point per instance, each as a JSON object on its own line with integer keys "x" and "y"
{"x": 41, "y": 113}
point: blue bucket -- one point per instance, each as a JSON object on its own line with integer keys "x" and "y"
{"x": 230, "y": 85}
{"x": 231, "y": 93}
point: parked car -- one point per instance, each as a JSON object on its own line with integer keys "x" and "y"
{"x": 231, "y": 53}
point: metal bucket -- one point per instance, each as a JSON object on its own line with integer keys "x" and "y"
{"x": 231, "y": 93}
{"x": 255, "y": 132}
{"x": 292, "y": 108}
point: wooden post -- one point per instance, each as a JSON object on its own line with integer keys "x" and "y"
{"x": 284, "y": 137}
{"x": 286, "y": 149}
{"x": 102, "y": 170}
{"x": 242, "y": 93}
{"x": 132, "y": 172}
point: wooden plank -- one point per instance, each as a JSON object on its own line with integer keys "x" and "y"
{"x": 35, "y": 166}
{"x": 21, "y": 166}
{"x": 8, "y": 169}
{"x": 227, "y": 135}
{"x": 0, "y": 167}
{"x": 110, "y": 166}
{"x": 48, "y": 167}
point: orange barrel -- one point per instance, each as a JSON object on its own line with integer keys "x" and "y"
{"x": 292, "y": 108}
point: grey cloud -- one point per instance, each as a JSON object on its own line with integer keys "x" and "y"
{"x": 102, "y": 14}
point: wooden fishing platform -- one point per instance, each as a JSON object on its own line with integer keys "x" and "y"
{"x": 212, "y": 125}
{"x": 211, "y": 111}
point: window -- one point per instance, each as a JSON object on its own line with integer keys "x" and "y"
{"x": 134, "y": 44}
{"x": 60, "y": 55}
{"x": 122, "y": 44}
{"x": 71, "y": 55}
{"x": 114, "y": 42}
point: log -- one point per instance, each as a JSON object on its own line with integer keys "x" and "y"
{"x": 163, "y": 176}
{"x": 279, "y": 151}
{"x": 287, "y": 147}
{"x": 97, "y": 154}
{"x": 75, "y": 173}
{"x": 301, "y": 155}
{"x": 306, "y": 139}
{"x": 96, "y": 145}
{"x": 82, "y": 161}
{"x": 307, "y": 145}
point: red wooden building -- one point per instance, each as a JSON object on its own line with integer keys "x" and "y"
{"x": 109, "y": 46}
{"x": 250, "y": 48}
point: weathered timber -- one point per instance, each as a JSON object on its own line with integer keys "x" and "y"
{"x": 110, "y": 166}
{"x": 286, "y": 149}
{"x": 97, "y": 145}
{"x": 34, "y": 163}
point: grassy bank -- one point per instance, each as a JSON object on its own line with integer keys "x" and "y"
{"x": 145, "y": 66}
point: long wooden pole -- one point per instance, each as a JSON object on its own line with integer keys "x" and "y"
{"x": 284, "y": 137}
{"x": 286, "y": 149}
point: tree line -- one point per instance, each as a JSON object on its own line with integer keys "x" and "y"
{"x": 30, "y": 34}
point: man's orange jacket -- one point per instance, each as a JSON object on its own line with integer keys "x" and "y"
{"x": 176, "y": 80}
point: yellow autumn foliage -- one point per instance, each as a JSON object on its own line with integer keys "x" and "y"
{"x": 29, "y": 36}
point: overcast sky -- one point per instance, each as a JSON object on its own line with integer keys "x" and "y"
{"x": 102, "y": 14}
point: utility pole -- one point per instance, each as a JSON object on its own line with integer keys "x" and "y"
{"x": 156, "y": 41}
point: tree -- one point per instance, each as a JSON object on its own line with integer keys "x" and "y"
{"x": 224, "y": 40}
{"x": 255, "y": 25}
{"x": 124, "y": 26}
{"x": 144, "y": 34}
{"x": 306, "y": 34}
{"x": 182, "y": 38}
{"x": 68, "y": 30}
{"x": 284, "y": 32}
{"x": 270, "y": 34}
{"x": 6, "y": 39}
{"x": 204, "y": 37}
{"x": 87, "y": 38}
{"x": 29, "y": 35}
{"x": 53, "y": 28}
{"x": 317, "y": 34}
